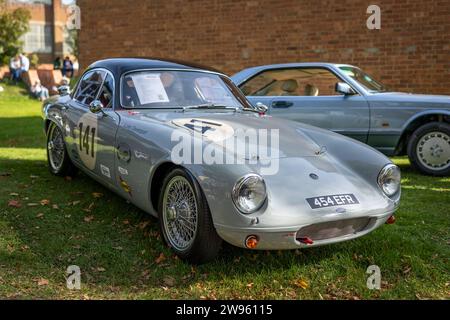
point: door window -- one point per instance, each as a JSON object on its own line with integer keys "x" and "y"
{"x": 106, "y": 93}
{"x": 89, "y": 87}
{"x": 292, "y": 82}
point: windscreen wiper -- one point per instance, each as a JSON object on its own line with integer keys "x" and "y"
{"x": 211, "y": 106}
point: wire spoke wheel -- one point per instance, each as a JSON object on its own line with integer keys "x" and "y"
{"x": 180, "y": 213}
{"x": 433, "y": 150}
{"x": 55, "y": 148}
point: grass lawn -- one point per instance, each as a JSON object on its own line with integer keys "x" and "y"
{"x": 62, "y": 222}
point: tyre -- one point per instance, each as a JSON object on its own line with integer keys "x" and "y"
{"x": 185, "y": 220}
{"x": 429, "y": 149}
{"x": 58, "y": 160}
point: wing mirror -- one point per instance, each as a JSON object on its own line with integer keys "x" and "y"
{"x": 63, "y": 90}
{"x": 261, "y": 107}
{"x": 96, "y": 106}
{"x": 344, "y": 88}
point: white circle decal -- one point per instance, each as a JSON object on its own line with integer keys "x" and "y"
{"x": 86, "y": 139}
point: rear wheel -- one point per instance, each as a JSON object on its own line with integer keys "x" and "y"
{"x": 429, "y": 149}
{"x": 185, "y": 220}
{"x": 58, "y": 160}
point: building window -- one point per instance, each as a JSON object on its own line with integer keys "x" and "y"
{"x": 38, "y": 39}
{"x": 49, "y": 2}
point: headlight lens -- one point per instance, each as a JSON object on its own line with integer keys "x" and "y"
{"x": 389, "y": 179}
{"x": 249, "y": 193}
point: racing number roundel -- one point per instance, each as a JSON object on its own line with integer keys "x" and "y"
{"x": 211, "y": 130}
{"x": 86, "y": 140}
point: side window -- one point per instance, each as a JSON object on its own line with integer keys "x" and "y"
{"x": 89, "y": 87}
{"x": 106, "y": 93}
{"x": 292, "y": 82}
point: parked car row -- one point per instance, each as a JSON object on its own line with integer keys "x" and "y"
{"x": 126, "y": 117}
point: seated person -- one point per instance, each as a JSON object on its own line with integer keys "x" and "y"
{"x": 24, "y": 62}
{"x": 64, "y": 82}
{"x": 290, "y": 88}
{"x": 105, "y": 95}
{"x": 173, "y": 87}
{"x": 67, "y": 67}
{"x": 15, "y": 68}
{"x": 57, "y": 64}
{"x": 311, "y": 90}
{"x": 130, "y": 96}
{"x": 39, "y": 91}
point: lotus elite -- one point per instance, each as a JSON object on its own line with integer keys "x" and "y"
{"x": 126, "y": 118}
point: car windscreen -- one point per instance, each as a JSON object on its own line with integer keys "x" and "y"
{"x": 176, "y": 89}
{"x": 363, "y": 79}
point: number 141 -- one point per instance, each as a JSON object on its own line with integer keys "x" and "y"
{"x": 86, "y": 139}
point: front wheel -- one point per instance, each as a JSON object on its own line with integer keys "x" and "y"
{"x": 429, "y": 149}
{"x": 185, "y": 220}
{"x": 58, "y": 160}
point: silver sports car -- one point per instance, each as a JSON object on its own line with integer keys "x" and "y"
{"x": 183, "y": 144}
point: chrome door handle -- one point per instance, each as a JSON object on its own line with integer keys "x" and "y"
{"x": 282, "y": 104}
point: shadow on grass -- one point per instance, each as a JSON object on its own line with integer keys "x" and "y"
{"x": 22, "y": 132}
{"x": 116, "y": 244}
{"x": 87, "y": 231}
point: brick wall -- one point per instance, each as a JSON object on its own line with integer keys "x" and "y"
{"x": 410, "y": 53}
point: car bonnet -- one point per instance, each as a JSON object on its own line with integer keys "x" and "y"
{"x": 285, "y": 139}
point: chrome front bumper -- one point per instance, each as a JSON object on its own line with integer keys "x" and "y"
{"x": 287, "y": 238}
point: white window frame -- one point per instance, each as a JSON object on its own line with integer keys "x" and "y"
{"x": 39, "y": 39}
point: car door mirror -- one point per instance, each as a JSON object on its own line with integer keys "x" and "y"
{"x": 261, "y": 107}
{"x": 96, "y": 106}
{"x": 63, "y": 90}
{"x": 344, "y": 88}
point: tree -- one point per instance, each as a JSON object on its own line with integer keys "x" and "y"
{"x": 13, "y": 24}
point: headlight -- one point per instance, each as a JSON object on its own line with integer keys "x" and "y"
{"x": 249, "y": 193}
{"x": 389, "y": 179}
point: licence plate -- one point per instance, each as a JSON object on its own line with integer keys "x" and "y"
{"x": 332, "y": 201}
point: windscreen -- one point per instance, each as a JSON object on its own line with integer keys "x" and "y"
{"x": 173, "y": 89}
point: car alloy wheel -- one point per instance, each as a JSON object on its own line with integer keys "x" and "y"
{"x": 433, "y": 150}
{"x": 180, "y": 213}
{"x": 429, "y": 149}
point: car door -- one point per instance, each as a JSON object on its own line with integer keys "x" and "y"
{"x": 92, "y": 139}
{"x": 308, "y": 95}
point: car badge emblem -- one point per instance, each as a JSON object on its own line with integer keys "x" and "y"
{"x": 322, "y": 150}
{"x": 313, "y": 176}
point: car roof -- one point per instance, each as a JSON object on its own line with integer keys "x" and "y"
{"x": 119, "y": 66}
{"x": 247, "y": 73}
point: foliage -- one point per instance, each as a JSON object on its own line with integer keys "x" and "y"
{"x": 72, "y": 41}
{"x": 34, "y": 60}
{"x": 13, "y": 24}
